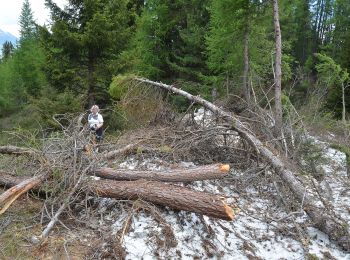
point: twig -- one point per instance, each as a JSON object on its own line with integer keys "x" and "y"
{"x": 53, "y": 221}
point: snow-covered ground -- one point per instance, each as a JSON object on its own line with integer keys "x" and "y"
{"x": 255, "y": 233}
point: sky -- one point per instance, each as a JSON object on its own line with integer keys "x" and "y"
{"x": 10, "y": 11}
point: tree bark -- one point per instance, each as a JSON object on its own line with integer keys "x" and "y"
{"x": 173, "y": 196}
{"x": 347, "y": 165}
{"x": 8, "y": 181}
{"x": 343, "y": 101}
{"x": 246, "y": 84}
{"x": 278, "y": 70}
{"x": 207, "y": 172}
{"x": 9, "y": 149}
{"x": 336, "y": 229}
{"x": 124, "y": 150}
{"x": 9, "y": 196}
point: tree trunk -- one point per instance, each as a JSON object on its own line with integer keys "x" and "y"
{"x": 335, "y": 228}
{"x": 9, "y": 196}
{"x": 246, "y": 84}
{"x": 207, "y": 172}
{"x": 9, "y": 149}
{"x": 347, "y": 164}
{"x": 91, "y": 78}
{"x": 343, "y": 99}
{"x": 173, "y": 196}
{"x": 278, "y": 70}
{"x": 8, "y": 181}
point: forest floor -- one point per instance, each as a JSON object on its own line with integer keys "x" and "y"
{"x": 266, "y": 227}
{"x": 139, "y": 230}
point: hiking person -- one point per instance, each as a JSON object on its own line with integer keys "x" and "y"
{"x": 95, "y": 121}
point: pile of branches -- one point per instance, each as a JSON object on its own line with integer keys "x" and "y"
{"x": 66, "y": 163}
{"x": 66, "y": 169}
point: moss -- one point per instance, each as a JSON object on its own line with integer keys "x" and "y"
{"x": 120, "y": 85}
{"x": 310, "y": 256}
{"x": 139, "y": 150}
{"x": 165, "y": 149}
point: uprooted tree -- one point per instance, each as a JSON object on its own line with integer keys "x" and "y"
{"x": 65, "y": 183}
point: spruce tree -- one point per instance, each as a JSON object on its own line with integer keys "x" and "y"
{"x": 238, "y": 44}
{"x": 86, "y": 38}
{"x": 7, "y": 50}
{"x": 169, "y": 42}
{"x": 26, "y": 22}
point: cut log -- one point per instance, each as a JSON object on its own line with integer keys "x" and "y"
{"x": 9, "y": 149}
{"x": 207, "y": 172}
{"x": 7, "y": 180}
{"x": 10, "y": 195}
{"x": 124, "y": 150}
{"x": 335, "y": 227}
{"x": 176, "y": 197}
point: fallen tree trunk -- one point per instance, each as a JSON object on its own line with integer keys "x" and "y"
{"x": 10, "y": 195}
{"x": 10, "y": 149}
{"x": 207, "y": 172}
{"x": 336, "y": 229}
{"x": 176, "y": 197}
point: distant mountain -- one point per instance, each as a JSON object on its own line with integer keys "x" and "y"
{"x": 5, "y": 36}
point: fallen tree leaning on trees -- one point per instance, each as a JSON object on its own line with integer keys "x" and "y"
{"x": 176, "y": 197}
{"x": 206, "y": 172}
{"x": 335, "y": 227}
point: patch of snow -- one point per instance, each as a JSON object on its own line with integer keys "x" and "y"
{"x": 320, "y": 244}
{"x": 204, "y": 117}
{"x": 186, "y": 164}
{"x": 252, "y": 234}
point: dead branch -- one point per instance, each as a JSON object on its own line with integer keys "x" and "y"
{"x": 64, "y": 205}
{"x": 124, "y": 150}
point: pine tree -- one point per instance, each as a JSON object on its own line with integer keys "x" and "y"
{"x": 238, "y": 43}
{"x": 340, "y": 46}
{"x": 169, "y": 42}
{"x": 86, "y": 38}
{"x": 29, "y": 57}
{"x": 26, "y": 22}
{"x": 7, "y": 50}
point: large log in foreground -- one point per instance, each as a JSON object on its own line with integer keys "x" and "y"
{"x": 173, "y": 196}
{"x": 176, "y": 197}
{"x": 335, "y": 227}
{"x": 206, "y": 172}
